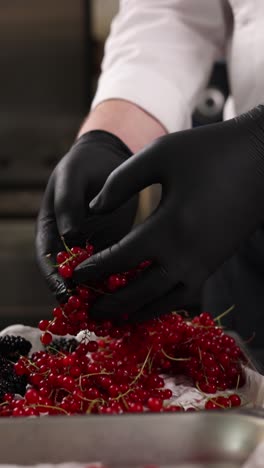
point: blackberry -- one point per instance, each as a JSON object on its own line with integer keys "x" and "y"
{"x": 14, "y": 346}
{"x": 10, "y": 382}
{"x": 63, "y": 345}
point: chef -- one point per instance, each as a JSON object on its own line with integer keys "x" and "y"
{"x": 206, "y": 234}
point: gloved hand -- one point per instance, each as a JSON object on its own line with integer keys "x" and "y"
{"x": 212, "y": 181}
{"x": 65, "y": 208}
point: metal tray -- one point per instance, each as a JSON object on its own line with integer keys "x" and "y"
{"x": 204, "y": 439}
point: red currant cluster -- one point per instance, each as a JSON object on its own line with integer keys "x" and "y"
{"x": 69, "y": 259}
{"x": 73, "y": 317}
{"x": 122, "y": 371}
{"x": 114, "y": 375}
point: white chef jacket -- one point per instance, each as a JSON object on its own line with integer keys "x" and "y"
{"x": 160, "y": 54}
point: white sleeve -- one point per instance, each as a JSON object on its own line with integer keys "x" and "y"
{"x": 159, "y": 55}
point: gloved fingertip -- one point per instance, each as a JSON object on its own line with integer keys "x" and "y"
{"x": 62, "y": 296}
{"x": 58, "y": 288}
{"x": 94, "y": 204}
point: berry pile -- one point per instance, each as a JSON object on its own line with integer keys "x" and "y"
{"x": 120, "y": 375}
{"x": 125, "y": 369}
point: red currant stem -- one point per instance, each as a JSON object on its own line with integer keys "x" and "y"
{"x": 46, "y": 373}
{"x": 66, "y": 246}
{"x": 122, "y": 395}
{"x": 183, "y": 312}
{"x": 30, "y": 363}
{"x": 238, "y": 380}
{"x": 125, "y": 403}
{"x": 202, "y": 393}
{"x": 49, "y": 407}
{"x": 57, "y": 265}
{"x": 142, "y": 368}
{"x": 56, "y": 350}
{"x": 189, "y": 341}
{"x": 93, "y": 402}
{"x": 226, "y": 312}
{"x": 4, "y": 403}
{"x": 150, "y": 364}
{"x": 173, "y": 358}
{"x": 87, "y": 399}
{"x": 98, "y": 373}
{"x": 136, "y": 378}
{"x": 11, "y": 362}
{"x": 217, "y": 404}
{"x": 67, "y": 260}
{"x": 201, "y": 362}
{"x": 50, "y": 323}
{"x": 80, "y": 383}
{"x": 221, "y": 406}
{"x": 56, "y": 395}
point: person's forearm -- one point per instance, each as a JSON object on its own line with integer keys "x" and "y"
{"x": 135, "y": 127}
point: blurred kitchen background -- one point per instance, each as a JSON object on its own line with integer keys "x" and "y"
{"x": 50, "y": 55}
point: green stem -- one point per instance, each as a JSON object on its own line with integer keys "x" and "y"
{"x": 172, "y": 358}
{"x": 226, "y": 312}
{"x": 65, "y": 246}
{"x": 49, "y": 407}
{"x": 56, "y": 350}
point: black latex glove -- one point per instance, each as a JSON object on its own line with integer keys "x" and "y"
{"x": 212, "y": 199}
{"x": 65, "y": 208}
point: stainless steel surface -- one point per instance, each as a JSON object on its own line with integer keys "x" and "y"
{"x": 207, "y": 439}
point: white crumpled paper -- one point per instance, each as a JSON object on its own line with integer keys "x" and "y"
{"x": 252, "y": 394}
